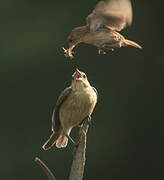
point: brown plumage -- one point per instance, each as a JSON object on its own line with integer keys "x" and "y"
{"x": 73, "y": 105}
{"x": 102, "y": 26}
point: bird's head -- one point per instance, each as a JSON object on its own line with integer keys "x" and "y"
{"x": 79, "y": 81}
{"x": 75, "y": 37}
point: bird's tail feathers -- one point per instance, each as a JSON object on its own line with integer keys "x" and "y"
{"x": 62, "y": 141}
{"x": 132, "y": 43}
{"x": 51, "y": 141}
{"x": 59, "y": 138}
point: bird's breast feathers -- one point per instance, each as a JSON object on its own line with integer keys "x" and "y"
{"x": 82, "y": 98}
{"x": 77, "y": 106}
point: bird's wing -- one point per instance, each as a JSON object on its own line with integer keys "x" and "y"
{"x": 95, "y": 90}
{"x": 114, "y": 14}
{"x": 55, "y": 116}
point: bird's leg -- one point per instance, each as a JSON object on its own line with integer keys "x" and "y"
{"x": 88, "y": 119}
{"x": 69, "y": 137}
{"x": 101, "y": 51}
{"x": 111, "y": 46}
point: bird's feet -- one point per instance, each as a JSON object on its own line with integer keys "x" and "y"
{"x": 81, "y": 125}
{"x": 68, "y": 53}
{"x": 69, "y": 137}
{"x": 88, "y": 118}
{"x": 112, "y": 46}
{"x": 100, "y": 51}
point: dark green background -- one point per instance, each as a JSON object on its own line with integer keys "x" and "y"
{"x": 126, "y": 139}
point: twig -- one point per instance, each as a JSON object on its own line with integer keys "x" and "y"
{"x": 45, "y": 168}
{"x": 77, "y": 168}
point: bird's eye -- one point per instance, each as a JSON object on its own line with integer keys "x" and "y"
{"x": 84, "y": 76}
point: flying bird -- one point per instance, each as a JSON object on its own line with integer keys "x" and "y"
{"x": 103, "y": 26}
{"x": 75, "y": 104}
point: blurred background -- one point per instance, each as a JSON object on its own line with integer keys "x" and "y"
{"x": 125, "y": 140}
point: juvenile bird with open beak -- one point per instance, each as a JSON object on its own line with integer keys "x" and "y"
{"x": 102, "y": 26}
{"x": 75, "y": 104}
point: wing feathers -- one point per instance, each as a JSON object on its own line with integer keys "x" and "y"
{"x": 114, "y": 14}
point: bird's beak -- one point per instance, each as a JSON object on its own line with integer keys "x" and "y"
{"x": 68, "y": 52}
{"x": 77, "y": 75}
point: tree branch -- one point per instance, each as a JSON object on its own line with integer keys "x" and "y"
{"x": 77, "y": 168}
{"x": 78, "y": 164}
{"x": 45, "y": 168}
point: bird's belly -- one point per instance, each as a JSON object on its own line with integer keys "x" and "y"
{"x": 100, "y": 38}
{"x": 75, "y": 109}
{"x": 97, "y": 40}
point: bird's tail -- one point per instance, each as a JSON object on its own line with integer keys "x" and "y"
{"x": 62, "y": 141}
{"x": 51, "y": 141}
{"x": 131, "y": 43}
{"x": 57, "y": 138}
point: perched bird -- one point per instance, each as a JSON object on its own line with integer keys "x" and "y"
{"x": 74, "y": 105}
{"x": 102, "y": 26}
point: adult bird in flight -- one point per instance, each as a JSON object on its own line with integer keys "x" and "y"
{"x": 102, "y": 27}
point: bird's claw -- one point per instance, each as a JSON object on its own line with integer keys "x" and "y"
{"x": 100, "y": 51}
{"x": 89, "y": 120}
{"x": 70, "y": 138}
{"x": 68, "y": 53}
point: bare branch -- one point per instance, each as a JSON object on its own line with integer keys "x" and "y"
{"x": 77, "y": 168}
{"x": 45, "y": 168}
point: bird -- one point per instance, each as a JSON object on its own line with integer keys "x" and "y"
{"x": 74, "y": 105}
{"x": 102, "y": 27}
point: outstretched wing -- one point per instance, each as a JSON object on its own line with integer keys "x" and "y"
{"x": 114, "y": 14}
{"x": 55, "y": 116}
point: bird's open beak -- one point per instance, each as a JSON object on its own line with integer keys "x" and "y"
{"x": 77, "y": 75}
